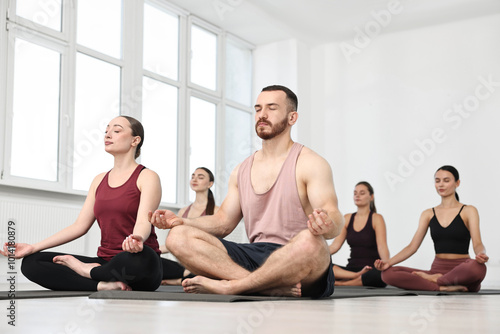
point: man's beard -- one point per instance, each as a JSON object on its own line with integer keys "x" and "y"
{"x": 275, "y": 129}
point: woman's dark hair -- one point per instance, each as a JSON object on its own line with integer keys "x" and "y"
{"x": 370, "y": 190}
{"x": 455, "y": 174}
{"x": 209, "y": 210}
{"x": 137, "y": 130}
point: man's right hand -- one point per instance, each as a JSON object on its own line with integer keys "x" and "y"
{"x": 164, "y": 219}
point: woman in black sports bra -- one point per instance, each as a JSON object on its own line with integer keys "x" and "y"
{"x": 453, "y": 225}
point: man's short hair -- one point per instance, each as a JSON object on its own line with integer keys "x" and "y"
{"x": 292, "y": 100}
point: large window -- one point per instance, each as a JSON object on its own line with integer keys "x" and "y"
{"x": 70, "y": 66}
{"x": 35, "y": 110}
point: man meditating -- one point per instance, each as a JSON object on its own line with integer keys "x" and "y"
{"x": 285, "y": 194}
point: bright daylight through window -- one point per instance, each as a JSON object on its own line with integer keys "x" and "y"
{"x": 71, "y": 68}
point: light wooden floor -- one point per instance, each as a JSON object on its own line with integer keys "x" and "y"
{"x": 401, "y": 315}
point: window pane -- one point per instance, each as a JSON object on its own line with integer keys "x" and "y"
{"x": 159, "y": 118}
{"x": 35, "y": 128}
{"x": 161, "y": 42}
{"x": 203, "y": 58}
{"x": 202, "y": 136}
{"x": 99, "y": 25}
{"x": 238, "y": 145}
{"x": 97, "y": 101}
{"x": 46, "y": 13}
{"x": 238, "y": 74}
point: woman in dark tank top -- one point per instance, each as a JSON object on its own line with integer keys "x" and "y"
{"x": 201, "y": 181}
{"x": 453, "y": 225}
{"x": 365, "y": 233}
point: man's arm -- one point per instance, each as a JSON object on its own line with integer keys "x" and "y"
{"x": 324, "y": 216}
{"x": 223, "y": 222}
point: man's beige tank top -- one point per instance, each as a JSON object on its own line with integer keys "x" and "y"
{"x": 276, "y": 215}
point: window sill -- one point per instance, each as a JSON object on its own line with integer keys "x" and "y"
{"x": 61, "y": 195}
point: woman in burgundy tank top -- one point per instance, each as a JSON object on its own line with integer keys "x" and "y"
{"x": 128, "y": 257}
{"x": 365, "y": 233}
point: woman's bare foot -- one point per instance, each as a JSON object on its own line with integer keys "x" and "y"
{"x": 364, "y": 270}
{"x": 430, "y": 277}
{"x": 453, "y": 288}
{"x": 81, "y": 268}
{"x": 105, "y": 286}
{"x": 352, "y": 282}
{"x": 178, "y": 281}
{"x": 172, "y": 281}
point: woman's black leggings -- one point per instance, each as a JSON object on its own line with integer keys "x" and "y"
{"x": 141, "y": 271}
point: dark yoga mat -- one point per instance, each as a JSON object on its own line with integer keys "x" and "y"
{"x": 175, "y": 293}
{"x": 42, "y": 294}
{"x": 447, "y": 293}
{"x": 393, "y": 291}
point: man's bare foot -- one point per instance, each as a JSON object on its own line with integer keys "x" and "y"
{"x": 453, "y": 288}
{"x": 81, "y": 268}
{"x": 433, "y": 278}
{"x": 200, "y": 284}
{"x": 105, "y": 286}
{"x": 293, "y": 291}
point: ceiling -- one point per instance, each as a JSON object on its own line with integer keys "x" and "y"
{"x": 321, "y": 21}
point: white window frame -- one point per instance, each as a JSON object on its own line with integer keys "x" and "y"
{"x": 132, "y": 73}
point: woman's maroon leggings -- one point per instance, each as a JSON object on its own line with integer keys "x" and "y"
{"x": 466, "y": 272}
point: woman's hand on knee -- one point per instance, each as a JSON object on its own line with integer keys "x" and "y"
{"x": 133, "y": 244}
{"x": 18, "y": 251}
{"x": 482, "y": 258}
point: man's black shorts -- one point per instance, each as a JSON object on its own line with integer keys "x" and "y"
{"x": 252, "y": 256}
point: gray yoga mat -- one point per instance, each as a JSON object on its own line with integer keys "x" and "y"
{"x": 175, "y": 293}
{"x": 168, "y": 293}
{"x": 42, "y": 294}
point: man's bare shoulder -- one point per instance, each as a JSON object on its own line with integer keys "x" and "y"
{"x": 308, "y": 156}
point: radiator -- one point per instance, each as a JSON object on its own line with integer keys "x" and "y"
{"x": 37, "y": 221}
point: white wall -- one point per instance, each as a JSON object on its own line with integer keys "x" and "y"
{"x": 285, "y": 63}
{"x": 389, "y": 117}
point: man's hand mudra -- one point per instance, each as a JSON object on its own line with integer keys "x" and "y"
{"x": 164, "y": 219}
